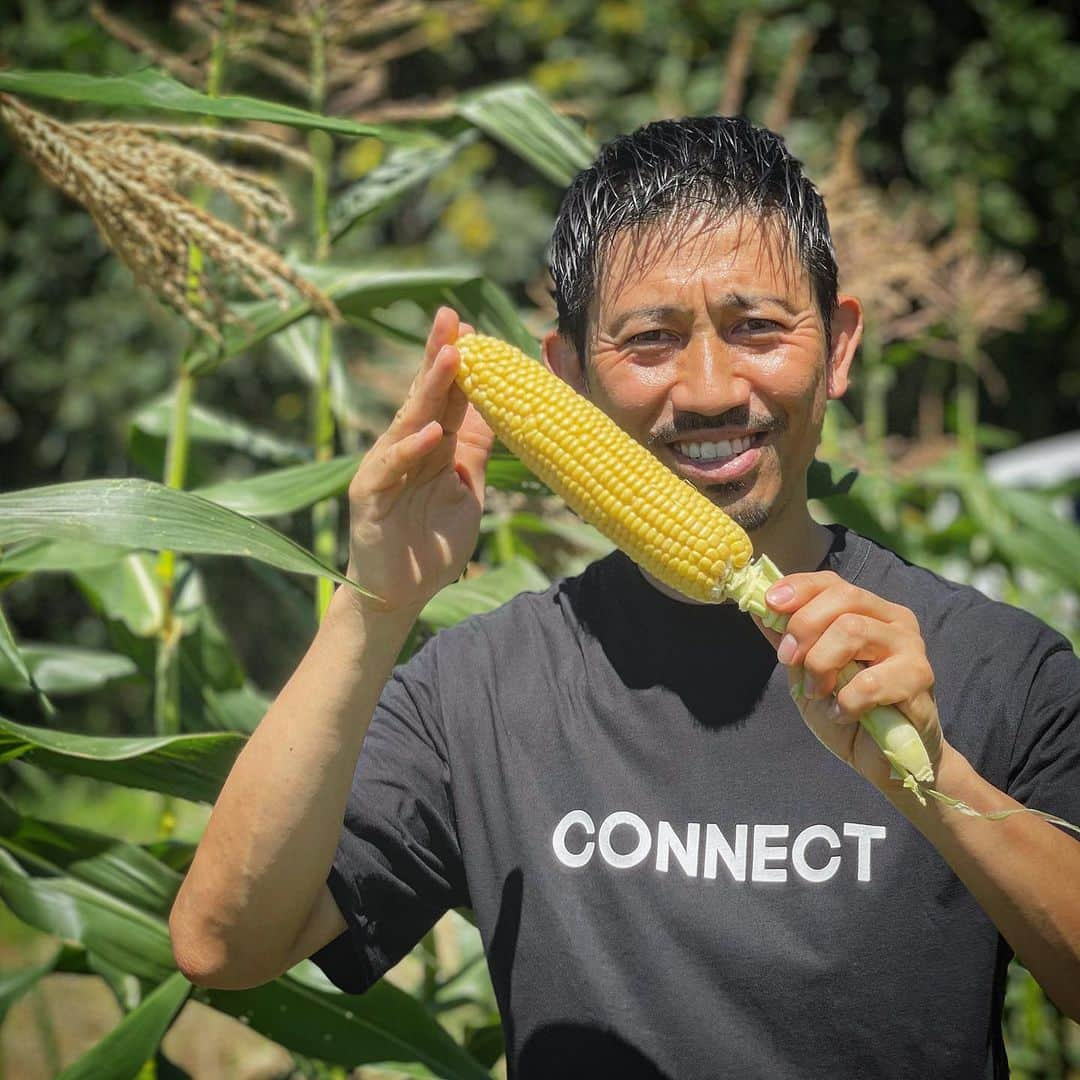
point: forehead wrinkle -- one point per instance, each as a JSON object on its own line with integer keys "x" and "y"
{"x": 632, "y": 254}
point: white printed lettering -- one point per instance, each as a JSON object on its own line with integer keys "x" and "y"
{"x": 798, "y": 853}
{"x": 716, "y": 844}
{"x": 631, "y": 858}
{"x": 558, "y": 839}
{"x": 865, "y": 834}
{"x": 763, "y": 853}
{"x": 668, "y": 843}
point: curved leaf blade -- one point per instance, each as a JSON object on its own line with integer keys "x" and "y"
{"x": 148, "y": 88}
{"x": 66, "y": 669}
{"x": 188, "y": 766}
{"x": 143, "y": 514}
{"x": 124, "y": 1051}
{"x": 358, "y": 292}
{"x": 383, "y": 1024}
{"x": 522, "y": 119}
{"x": 284, "y": 491}
{"x": 483, "y": 593}
{"x": 13, "y": 984}
{"x": 211, "y": 426}
{"x": 119, "y": 932}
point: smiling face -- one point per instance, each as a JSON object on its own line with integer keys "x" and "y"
{"x": 709, "y": 349}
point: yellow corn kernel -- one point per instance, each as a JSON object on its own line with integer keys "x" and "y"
{"x": 662, "y": 522}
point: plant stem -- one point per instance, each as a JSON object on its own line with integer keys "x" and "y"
{"x": 167, "y": 712}
{"x": 323, "y": 431}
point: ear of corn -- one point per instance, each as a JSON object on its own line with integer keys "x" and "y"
{"x": 662, "y": 522}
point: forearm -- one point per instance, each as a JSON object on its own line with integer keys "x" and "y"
{"x": 268, "y": 846}
{"x": 1023, "y": 871}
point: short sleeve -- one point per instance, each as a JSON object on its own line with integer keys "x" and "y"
{"x": 1045, "y": 768}
{"x": 398, "y": 864}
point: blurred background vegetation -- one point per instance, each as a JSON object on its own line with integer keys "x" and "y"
{"x": 946, "y": 141}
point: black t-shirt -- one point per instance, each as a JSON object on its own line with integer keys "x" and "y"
{"x": 670, "y": 875}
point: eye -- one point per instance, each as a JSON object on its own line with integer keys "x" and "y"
{"x": 759, "y": 326}
{"x": 650, "y": 337}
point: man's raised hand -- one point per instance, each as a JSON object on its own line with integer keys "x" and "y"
{"x": 416, "y": 499}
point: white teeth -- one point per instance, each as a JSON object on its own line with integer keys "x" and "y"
{"x": 710, "y": 451}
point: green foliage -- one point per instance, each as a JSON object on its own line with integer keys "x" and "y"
{"x": 454, "y": 209}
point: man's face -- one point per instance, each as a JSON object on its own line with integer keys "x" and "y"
{"x": 710, "y": 350}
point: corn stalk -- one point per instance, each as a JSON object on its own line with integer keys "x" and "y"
{"x": 167, "y": 664}
{"x": 324, "y": 513}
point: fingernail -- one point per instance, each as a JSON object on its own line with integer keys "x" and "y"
{"x": 785, "y": 651}
{"x": 834, "y": 713}
{"x": 809, "y": 685}
{"x": 779, "y": 594}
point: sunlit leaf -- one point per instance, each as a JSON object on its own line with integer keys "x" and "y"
{"x": 382, "y": 1025}
{"x": 122, "y": 1053}
{"x": 209, "y": 425}
{"x": 482, "y": 593}
{"x": 143, "y": 514}
{"x": 123, "y": 934}
{"x": 361, "y": 291}
{"x": 519, "y": 117}
{"x": 126, "y": 589}
{"x": 66, "y": 669}
{"x": 151, "y": 89}
{"x": 403, "y": 169}
{"x": 284, "y": 490}
{"x": 189, "y": 766}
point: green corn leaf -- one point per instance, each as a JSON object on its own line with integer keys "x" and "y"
{"x": 65, "y": 669}
{"x": 134, "y": 1041}
{"x": 154, "y": 90}
{"x": 522, "y": 119}
{"x": 144, "y": 514}
{"x": 507, "y": 473}
{"x": 134, "y": 874}
{"x": 13, "y": 984}
{"x": 284, "y": 491}
{"x": 16, "y": 671}
{"x": 359, "y": 292}
{"x": 121, "y": 933}
{"x": 210, "y": 426}
{"x": 298, "y": 346}
{"x": 382, "y": 1025}
{"x": 45, "y": 556}
{"x": 403, "y": 169}
{"x": 189, "y": 766}
{"x": 126, "y": 590}
{"x": 482, "y": 593}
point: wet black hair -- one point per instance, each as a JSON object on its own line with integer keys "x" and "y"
{"x": 673, "y": 168}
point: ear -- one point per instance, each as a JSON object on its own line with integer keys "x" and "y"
{"x": 847, "y": 328}
{"x": 561, "y": 359}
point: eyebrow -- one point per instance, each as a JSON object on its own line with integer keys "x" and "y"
{"x": 742, "y": 301}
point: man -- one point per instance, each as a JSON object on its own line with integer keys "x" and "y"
{"x": 670, "y": 875}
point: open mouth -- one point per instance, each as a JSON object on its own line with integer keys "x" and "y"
{"x": 718, "y": 459}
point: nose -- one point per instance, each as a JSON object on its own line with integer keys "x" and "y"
{"x": 707, "y": 378}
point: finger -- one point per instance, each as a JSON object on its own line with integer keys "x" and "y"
{"x": 474, "y": 442}
{"x": 457, "y": 405}
{"x": 390, "y": 461}
{"x": 851, "y": 636}
{"x": 814, "y": 610}
{"x": 897, "y": 680}
{"x": 792, "y": 594}
{"x": 428, "y": 396}
{"x": 466, "y": 328}
{"x": 444, "y": 331}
